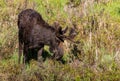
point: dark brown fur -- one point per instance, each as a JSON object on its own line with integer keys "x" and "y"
{"x": 34, "y": 33}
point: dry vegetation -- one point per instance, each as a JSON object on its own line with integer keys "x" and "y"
{"x": 95, "y": 58}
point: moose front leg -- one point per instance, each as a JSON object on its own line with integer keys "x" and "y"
{"x": 40, "y": 52}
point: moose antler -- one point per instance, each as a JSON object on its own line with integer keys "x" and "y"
{"x": 63, "y": 37}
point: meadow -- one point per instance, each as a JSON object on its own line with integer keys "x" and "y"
{"x": 95, "y": 58}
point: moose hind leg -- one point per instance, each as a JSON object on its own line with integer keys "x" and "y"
{"x": 26, "y": 58}
{"x": 20, "y": 46}
{"x": 20, "y": 52}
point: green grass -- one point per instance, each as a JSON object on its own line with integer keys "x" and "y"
{"x": 95, "y": 58}
{"x": 52, "y": 12}
{"x": 111, "y": 8}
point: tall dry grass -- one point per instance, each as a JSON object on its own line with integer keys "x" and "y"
{"x": 95, "y": 58}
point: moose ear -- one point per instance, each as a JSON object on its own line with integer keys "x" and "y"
{"x": 60, "y": 30}
{"x": 64, "y": 30}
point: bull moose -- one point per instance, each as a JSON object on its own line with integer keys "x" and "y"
{"x": 34, "y": 33}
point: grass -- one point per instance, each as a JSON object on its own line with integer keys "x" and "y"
{"x": 95, "y": 58}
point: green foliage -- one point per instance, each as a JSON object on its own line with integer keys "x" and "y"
{"x": 114, "y": 9}
{"x": 111, "y": 8}
{"x": 52, "y": 10}
{"x": 94, "y": 58}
